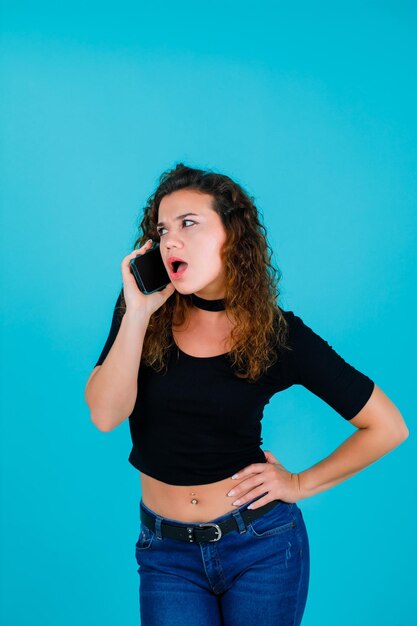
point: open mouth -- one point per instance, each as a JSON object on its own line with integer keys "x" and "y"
{"x": 179, "y": 266}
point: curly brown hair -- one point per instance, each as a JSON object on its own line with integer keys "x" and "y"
{"x": 251, "y": 280}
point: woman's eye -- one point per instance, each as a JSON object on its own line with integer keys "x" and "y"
{"x": 158, "y": 230}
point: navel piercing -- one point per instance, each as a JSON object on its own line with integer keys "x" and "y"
{"x": 193, "y": 501}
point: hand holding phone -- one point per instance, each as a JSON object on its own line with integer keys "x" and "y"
{"x": 149, "y": 300}
{"x": 149, "y": 271}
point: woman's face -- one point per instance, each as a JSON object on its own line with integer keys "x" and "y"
{"x": 197, "y": 239}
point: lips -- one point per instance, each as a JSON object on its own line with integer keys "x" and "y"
{"x": 178, "y": 273}
{"x": 176, "y": 264}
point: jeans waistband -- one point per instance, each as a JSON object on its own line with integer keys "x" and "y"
{"x": 213, "y": 530}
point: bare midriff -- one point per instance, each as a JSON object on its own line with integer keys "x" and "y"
{"x": 199, "y": 503}
{"x": 207, "y": 334}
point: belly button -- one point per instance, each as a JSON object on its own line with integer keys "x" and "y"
{"x": 194, "y": 500}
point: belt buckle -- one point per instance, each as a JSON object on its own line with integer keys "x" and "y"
{"x": 219, "y": 530}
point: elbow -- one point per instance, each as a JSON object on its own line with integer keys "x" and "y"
{"x": 403, "y": 431}
{"x": 404, "y": 434}
{"x": 99, "y": 420}
{"x": 105, "y": 426}
{"x": 105, "y": 421}
{"x": 400, "y": 435}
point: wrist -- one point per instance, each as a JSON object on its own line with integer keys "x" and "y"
{"x": 304, "y": 489}
{"x": 300, "y": 487}
{"x": 137, "y": 316}
{"x": 295, "y": 479}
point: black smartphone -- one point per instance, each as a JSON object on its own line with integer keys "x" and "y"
{"x": 149, "y": 271}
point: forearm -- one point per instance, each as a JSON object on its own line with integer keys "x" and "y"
{"x": 112, "y": 391}
{"x": 362, "y": 448}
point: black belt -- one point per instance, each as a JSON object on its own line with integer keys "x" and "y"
{"x": 208, "y": 531}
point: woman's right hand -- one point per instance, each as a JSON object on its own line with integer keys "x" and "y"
{"x": 134, "y": 298}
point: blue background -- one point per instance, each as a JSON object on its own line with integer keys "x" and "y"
{"x": 312, "y": 109}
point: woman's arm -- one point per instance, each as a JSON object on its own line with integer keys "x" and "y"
{"x": 111, "y": 390}
{"x": 380, "y": 429}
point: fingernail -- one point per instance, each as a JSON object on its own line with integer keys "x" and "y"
{"x": 236, "y": 502}
{"x": 235, "y": 476}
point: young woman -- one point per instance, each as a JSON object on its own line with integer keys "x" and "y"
{"x": 222, "y": 539}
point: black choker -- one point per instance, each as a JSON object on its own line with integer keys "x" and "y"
{"x": 208, "y": 305}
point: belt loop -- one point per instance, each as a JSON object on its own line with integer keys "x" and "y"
{"x": 158, "y": 522}
{"x": 239, "y": 521}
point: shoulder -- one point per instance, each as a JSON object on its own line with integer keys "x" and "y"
{"x": 290, "y": 317}
{"x": 295, "y": 323}
{"x": 289, "y": 323}
{"x": 300, "y": 338}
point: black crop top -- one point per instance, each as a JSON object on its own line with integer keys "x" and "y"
{"x": 197, "y": 423}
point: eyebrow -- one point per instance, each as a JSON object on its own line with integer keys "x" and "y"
{"x": 179, "y": 217}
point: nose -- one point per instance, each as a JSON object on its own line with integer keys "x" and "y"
{"x": 172, "y": 241}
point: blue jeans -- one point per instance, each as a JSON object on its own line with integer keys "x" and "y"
{"x": 255, "y": 575}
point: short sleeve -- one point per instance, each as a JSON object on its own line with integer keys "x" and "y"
{"x": 320, "y": 369}
{"x": 114, "y": 329}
